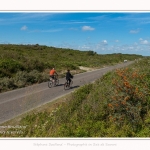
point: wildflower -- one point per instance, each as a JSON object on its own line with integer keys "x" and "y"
{"x": 117, "y": 105}
{"x": 125, "y": 78}
{"x": 123, "y": 102}
{"x": 126, "y": 98}
{"x": 134, "y": 74}
{"x": 136, "y": 90}
{"x": 127, "y": 84}
{"x": 110, "y": 105}
{"x": 113, "y": 97}
{"x": 127, "y": 109}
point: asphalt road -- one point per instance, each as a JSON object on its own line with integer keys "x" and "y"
{"x": 17, "y": 102}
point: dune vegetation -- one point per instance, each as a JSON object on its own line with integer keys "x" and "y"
{"x": 24, "y": 65}
{"x": 116, "y": 105}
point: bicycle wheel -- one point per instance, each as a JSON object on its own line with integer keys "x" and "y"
{"x": 71, "y": 83}
{"x": 57, "y": 82}
{"x": 66, "y": 86}
{"x": 50, "y": 83}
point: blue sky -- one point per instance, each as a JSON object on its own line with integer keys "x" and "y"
{"x": 102, "y": 32}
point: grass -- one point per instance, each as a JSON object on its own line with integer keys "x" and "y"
{"x": 116, "y": 105}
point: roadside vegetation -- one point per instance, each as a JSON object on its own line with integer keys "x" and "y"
{"x": 116, "y": 105}
{"x": 24, "y": 65}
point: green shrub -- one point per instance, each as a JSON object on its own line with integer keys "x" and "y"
{"x": 21, "y": 79}
{"x": 9, "y": 65}
{"x": 6, "y": 83}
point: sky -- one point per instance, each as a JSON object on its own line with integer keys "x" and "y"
{"x": 101, "y": 32}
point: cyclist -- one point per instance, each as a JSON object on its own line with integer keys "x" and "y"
{"x": 68, "y": 76}
{"x": 53, "y": 73}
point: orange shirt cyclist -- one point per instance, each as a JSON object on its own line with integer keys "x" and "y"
{"x": 52, "y": 73}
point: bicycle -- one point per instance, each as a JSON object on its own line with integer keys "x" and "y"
{"x": 53, "y": 82}
{"x": 67, "y": 86}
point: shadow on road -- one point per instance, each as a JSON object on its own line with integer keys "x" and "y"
{"x": 60, "y": 85}
{"x": 73, "y": 87}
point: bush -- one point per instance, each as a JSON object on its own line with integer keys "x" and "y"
{"x": 6, "y": 83}
{"x": 70, "y": 66}
{"x": 21, "y": 79}
{"x": 10, "y": 65}
{"x": 130, "y": 99}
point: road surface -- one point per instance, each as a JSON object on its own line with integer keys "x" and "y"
{"x": 17, "y": 102}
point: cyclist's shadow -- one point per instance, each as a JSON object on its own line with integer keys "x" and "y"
{"x": 73, "y": 87}
{"x": 60, "y": 85}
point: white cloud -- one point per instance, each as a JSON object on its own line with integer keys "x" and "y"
{"x": 116, "y": 41}
{"x": 85, "y": 47}
{"x": 144, "y": 42}
{"x": 24, "y": 28}
{"x": 101, "y": 48}
{"x": 104, "y": 42}
{"x": 135, "y": 43}
{"x": 87, "y": 28}
{"x": 134, "y": 31}
{"x": 131, "y": 47}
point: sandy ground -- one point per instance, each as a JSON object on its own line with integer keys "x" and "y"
{"x": 86, "y": 68}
